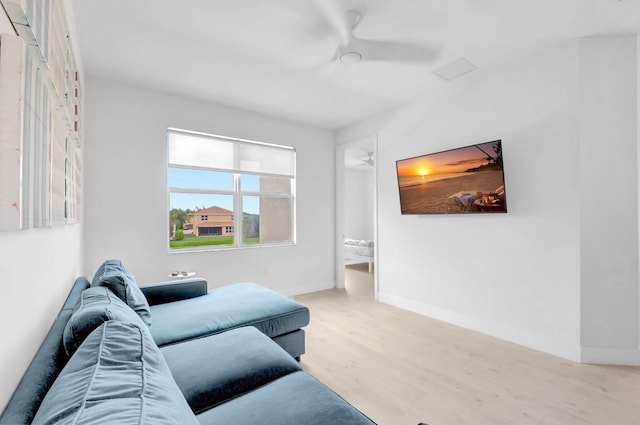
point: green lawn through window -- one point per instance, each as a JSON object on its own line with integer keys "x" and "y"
{"x": 192, "y": 241}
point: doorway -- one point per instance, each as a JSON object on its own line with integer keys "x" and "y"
{"x": 356, "y": 209}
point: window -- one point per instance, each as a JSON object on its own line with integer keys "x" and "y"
{"x": 213, "y": 180}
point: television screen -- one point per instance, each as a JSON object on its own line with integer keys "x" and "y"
{"x": 466, "y": 180}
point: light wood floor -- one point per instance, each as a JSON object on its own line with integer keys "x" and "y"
{"x": 403, "y": 368}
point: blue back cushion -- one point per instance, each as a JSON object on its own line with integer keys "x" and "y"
{"x": 115, "y": 276}
{"x": 117, "y": 376}
{"x": 96, "y": 305}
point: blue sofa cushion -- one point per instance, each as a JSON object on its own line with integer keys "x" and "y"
{"x": 237, "y": 361}
{"x": 228, "y": 307}
{"x": 297, "y": 398}
{"x": 117, "y": 376}
{"x": 96, "y": 305}
{"x": 115, "y": 276}
{"x": 45, "y": 366}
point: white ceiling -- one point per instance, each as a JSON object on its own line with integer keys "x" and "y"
{"x": 277, "y": 57}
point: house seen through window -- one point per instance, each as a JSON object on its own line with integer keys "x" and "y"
{"x": 226, "y": 193}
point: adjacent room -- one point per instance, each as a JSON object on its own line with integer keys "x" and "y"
{"x": 430, "y": 209}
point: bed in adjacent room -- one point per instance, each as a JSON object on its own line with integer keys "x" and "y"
{"x": 358, "y": 251}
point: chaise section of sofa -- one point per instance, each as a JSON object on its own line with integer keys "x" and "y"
{"x": 297, "y": 398}
{"x": 242, "y": 377}
{"x": 185, "y": 316}
{"x": 217, "y": 368}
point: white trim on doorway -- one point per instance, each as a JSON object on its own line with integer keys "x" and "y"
{"x": 367, "y": 144}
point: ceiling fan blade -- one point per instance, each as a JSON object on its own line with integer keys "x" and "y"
{"x": 340, "y": 25}
{"x": 398, "y": 51}
{"x": 369, "y": 161}
{"x": 336, "y": 21}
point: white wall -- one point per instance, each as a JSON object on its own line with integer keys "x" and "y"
{"x": 609, "y": 216}
{"x": 515, "y": 276}
{"x": 38, "y": 268}
{"x": 126, "y": 196}
{"x": 358, "y": 200}
{"x": 5, "y": 24}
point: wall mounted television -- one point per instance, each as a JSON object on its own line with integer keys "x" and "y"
{"x": 466, "y": 180}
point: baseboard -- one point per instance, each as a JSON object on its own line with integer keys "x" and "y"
{"x": 307, "y": 288}
{"x": 610, "y": 356}
{"x": 497, "y": 330}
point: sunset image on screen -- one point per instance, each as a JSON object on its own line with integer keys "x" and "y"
{"x": 464, "y": 180}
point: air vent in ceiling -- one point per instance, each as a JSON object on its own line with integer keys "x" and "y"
{"x": 455, "y": 69}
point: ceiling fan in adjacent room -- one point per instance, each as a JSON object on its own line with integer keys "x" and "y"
{"x": 369, "y": 161}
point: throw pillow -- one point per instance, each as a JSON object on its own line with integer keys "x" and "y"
{"x": 114, "y": 275}
{"x": 96, "y": 305}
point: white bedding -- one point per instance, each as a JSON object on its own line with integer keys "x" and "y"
{"x": 358, "y": 251}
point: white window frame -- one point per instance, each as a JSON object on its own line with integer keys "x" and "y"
{"x": 237, "y": 194}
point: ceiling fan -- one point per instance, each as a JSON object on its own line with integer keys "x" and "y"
{"x": 352, "y": 49}
{"x": 369, "y": 161}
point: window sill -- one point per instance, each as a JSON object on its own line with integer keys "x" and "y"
{"x": 227, "y": 248}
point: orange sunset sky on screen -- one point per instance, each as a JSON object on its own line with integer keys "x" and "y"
{"x": 453, "y": 161}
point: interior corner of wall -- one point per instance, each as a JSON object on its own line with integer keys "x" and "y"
{"x": 610, "y": 356}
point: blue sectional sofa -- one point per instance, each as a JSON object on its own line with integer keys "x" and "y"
{"x": 174, "y": 353}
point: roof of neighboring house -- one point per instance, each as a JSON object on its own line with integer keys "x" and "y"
{"x": 214, "y": 210}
